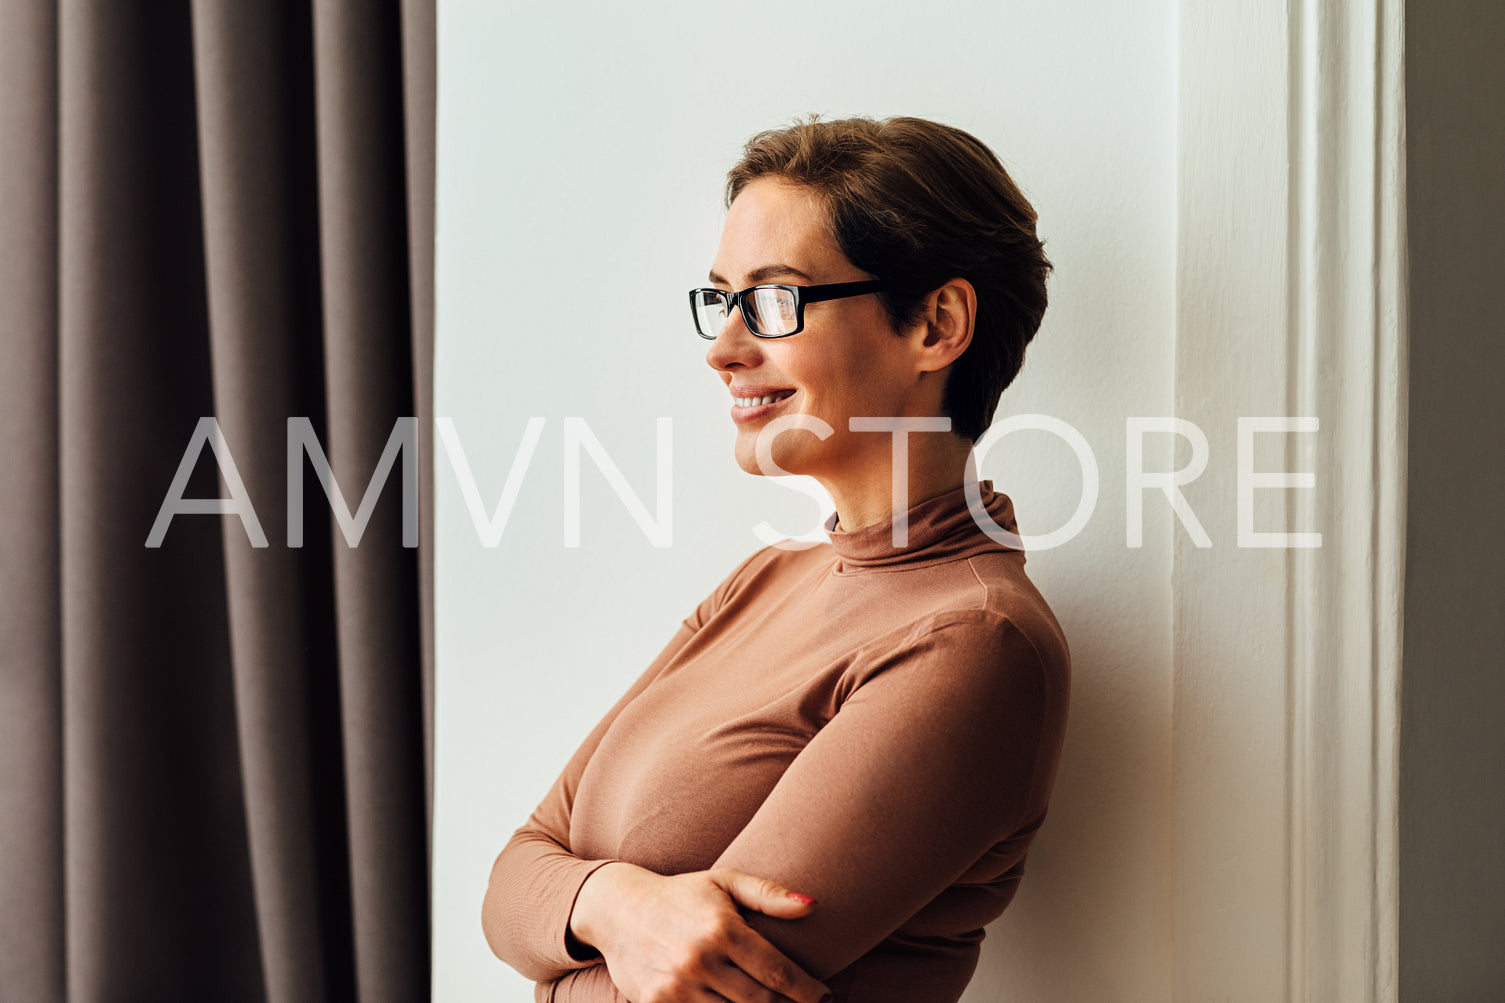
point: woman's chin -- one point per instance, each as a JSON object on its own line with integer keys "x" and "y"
{"x": 780, "y": 461}
{"x": 747, "y": 455}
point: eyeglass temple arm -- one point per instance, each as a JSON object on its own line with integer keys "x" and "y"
{"x": 838, "y": 290}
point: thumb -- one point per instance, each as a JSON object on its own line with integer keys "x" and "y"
{"x": 762, "y": 895}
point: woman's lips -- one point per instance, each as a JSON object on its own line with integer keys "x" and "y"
{"x": 743, "y": 410}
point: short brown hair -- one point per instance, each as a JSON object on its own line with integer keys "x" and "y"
{"x": 917, "y": 203}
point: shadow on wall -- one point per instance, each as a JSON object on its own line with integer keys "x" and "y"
{"x": 1109, "y": 813}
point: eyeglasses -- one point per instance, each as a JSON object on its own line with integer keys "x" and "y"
{"x": 771, "y": 311}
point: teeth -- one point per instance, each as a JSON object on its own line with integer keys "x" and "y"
{"x": 753, "y": 401}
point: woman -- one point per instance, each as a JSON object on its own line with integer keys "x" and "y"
{"x": 834, "y": 769}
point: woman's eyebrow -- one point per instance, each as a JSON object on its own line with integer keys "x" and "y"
{"x": 763, "y": 274}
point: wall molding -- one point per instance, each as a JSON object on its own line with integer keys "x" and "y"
{"x": 1291, "y": 301}
{"x": 1348, "y": 346}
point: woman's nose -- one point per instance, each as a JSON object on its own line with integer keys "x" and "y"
{"x": 734, "y": 345}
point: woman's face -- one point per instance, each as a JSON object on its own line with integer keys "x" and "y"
{"x": 847, "y": 361}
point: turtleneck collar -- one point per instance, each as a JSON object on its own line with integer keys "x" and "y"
{"x": 940, "y": 529}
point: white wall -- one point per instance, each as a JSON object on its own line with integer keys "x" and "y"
{"x": 582, "y": 149}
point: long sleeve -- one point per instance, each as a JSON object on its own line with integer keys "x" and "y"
{"x": 945, "y": 751}
{"x": 535, "y": 879}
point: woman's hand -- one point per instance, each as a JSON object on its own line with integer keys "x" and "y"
{"x": 680, "y": 939}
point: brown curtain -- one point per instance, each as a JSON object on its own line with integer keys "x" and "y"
{"x": 215, "y": 760}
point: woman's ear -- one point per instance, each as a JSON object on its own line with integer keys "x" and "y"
{"x": 950, "y": 314}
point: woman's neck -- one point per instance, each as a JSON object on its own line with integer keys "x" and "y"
{"x": 871, "y": 496}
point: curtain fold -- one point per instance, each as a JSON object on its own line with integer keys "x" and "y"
{"x": 31, "y": 732}
{"x": 216, "y": 759}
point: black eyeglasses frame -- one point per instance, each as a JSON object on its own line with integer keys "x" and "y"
{"x": 802, "y": 295}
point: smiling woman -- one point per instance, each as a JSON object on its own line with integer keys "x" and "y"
{"x": 826, "y": 783}
{"x": 848, "y": 362}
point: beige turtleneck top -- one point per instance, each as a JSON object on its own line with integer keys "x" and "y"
{"x": 875, "y": 726}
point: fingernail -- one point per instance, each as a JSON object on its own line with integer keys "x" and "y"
{"x": 802, "y": 899}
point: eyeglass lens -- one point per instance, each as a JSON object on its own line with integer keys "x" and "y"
{"x": 767, "y": 310}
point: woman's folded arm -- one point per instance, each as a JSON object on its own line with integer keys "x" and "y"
{"x": 939, "y": 755}
{"x": 536, "y": 877}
